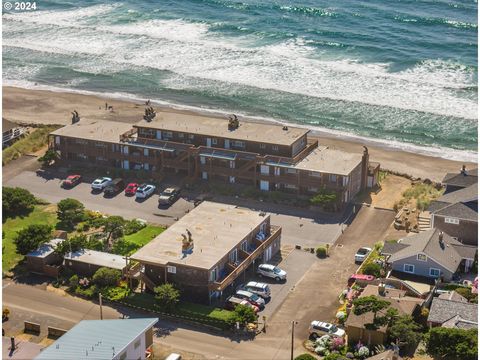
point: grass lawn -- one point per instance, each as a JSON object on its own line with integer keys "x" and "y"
{"x": 42, "y": 214}
{"x": 145, "y": 235}
{"x": 31, "y": 143}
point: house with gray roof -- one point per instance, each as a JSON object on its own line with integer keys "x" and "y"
{"x": 460, "y": 180}
{"x": 456, "y": 212}
{"x": 430, "y": 254}
{"x": 118, "y": 339}
{"x": 452, "y": 313}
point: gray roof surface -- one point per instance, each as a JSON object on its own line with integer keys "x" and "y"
{"x": 458, "y": 210}
{"x": 427, "y": 242}
{"x": 98, "y": 258}
{"x": 100, "y": 130}
{"x": 467, "y": 194}
{"x": 216, "y": 229}
{"x": 390, "y": 248}
{"x": 461, "y": 180}
{"x": 443, "y": 310}
{"x": 331, "y": 161}
{"x": 453, "y": 295}
{"x": 203, "y": 125}
{"x": 107, "y": 338}
{"x": 45, "y": 249}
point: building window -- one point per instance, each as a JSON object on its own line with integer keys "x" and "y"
{"x": 264, "y": 169}
{"x": 145, "y": 152}
{"x": 421, "y": 257}
{"x": 290, "y": 186}
{"x": 239, "y": 144}
{"x": 214, "y": 141}
{"x": 233, "y": 256}
{"x": 181, "y": 135}
{"x": 191, "y": 136}
{"x": 203, "y": 160}
{"x": 167, "y": 135}
{"x": 232, "y": 164}
{"x": 275, "y": 147}
{"x": 214, "y": 274}
{"x": 123, "y": 356}
{"x": 137, "y": 344}
{"x": 315, "y": 174}
{"x": 409, "y": 268}
{"x": 434, "y": 272}
{"x": 312, "y": 189}
{"x": 332, "y": 178}
{"x": 172, "y": 269}
{"x": 262, "y": 146}
{"x": 345, "y": 180}
{"x": 276, "y": 171}
{"x": 450, "y": 220}
{"x": 244, "y": 246}
{"x": 291, "y": 171}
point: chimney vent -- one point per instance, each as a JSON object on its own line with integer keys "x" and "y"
{"x": 463, "y": 170}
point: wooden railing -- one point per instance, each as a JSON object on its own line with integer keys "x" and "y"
{"x": 275, "y": 232}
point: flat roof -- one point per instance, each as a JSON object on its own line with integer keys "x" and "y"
{"x": 216, "y": 229}
{"x": 202, "y": 125}
{"x": 100, "y": 130}
{"x": 331, "y": 161}
{"x": 97, "y": 339}
{"x": 97, "y": 258}
{"x": 46, "y": 249}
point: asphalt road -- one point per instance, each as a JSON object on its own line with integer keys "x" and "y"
{"x": 49, "y": 188}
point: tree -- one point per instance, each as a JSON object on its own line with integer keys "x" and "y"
{"x": 104, "y": 277}
{"x": 467, "y": 293}
{"x": 324, "y": 197}
{"x": 16, "y": 201}
{"x": 70, "y": 212}
{"x": 49, "y": 156}
{"x": 167, "y": 297}
{"x": 124, "y": 247}
{"x": 372, "y": 269}
{"x": 72, "y": 244}
{"x": 375, "y": 305}
{"x": 113, "y": 226}
{"x": 32, "y": 237}
{"x": 305, "y": 357}
{"x": 405, "y": 330}
{"x": 452, "y": 343}
{"x": 242, "y": 314}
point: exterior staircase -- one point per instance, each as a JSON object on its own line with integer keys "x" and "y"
{"x": 424, "y": 221}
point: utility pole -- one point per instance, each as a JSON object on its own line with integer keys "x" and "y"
{"x": 100, "y": 302}
{"x": 293, "y": 337}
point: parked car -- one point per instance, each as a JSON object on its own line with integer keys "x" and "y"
{"x": 233, "y": 301}
{"x": 168, "y": 196}
{"x": 261, "y": 289}
{"x": 114, "y": 187}
{"x": 71, "y": 181}
{"x": 101, "y": 183}
{"x": 174, "y": 356}
{"x": 319, "y": 328}
{"x": 252, "y": 298}
{"x": 144, "y": 191}
{"x": 131, "y": 189}
{"x": 361, "y": 254}
{"x": 271, "y": 271}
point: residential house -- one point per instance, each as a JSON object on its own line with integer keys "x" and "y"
{"x": 456, "y": 213}
{"x": 208, "y": 249}
{"x": 45, "y": 260}
{"x": 86, "y": 262}
{"x": 355, "y": 324}
{"x": 461, "y": 180}
{"x": 453, "y": 311}
{"x": 430, "y": 254}
{"x": 266, "y": 156}
{"x": 122, "y": 339}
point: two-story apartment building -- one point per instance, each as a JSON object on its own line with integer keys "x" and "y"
{"x": 208, "y": 249}
{"x": 267, "y": 156}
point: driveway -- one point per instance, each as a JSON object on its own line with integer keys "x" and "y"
{"x": 48, "y": 188}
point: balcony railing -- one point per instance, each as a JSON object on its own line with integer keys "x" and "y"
{"x": 262, "y": 245}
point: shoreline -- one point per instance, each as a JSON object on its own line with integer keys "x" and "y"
{"x": 54, "y": 107}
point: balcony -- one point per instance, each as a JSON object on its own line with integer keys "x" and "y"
{"x": 247, "y": 258}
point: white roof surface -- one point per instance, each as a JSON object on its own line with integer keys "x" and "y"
{"x": 97, "y": 258}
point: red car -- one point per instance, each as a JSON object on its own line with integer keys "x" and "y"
{"x": 71, "y": 181}
{"x": 131, "y": 189}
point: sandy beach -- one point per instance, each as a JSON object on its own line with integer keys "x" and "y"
{"x": 47, "y": 107}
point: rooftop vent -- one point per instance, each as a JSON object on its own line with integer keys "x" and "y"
{"x": 440, "y": 239}
{"x": 233, "y": 122}
{"x": 75, "y": 117}
{"x": 463, "y": 170}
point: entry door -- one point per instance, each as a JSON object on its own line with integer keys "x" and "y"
{"x": 204, "y": 175}
{"x": 159, "y": 134}
{"x": 227, "y": 144}
{"x": 267, "y": 254}
{"x": 209, "y": 142}
{"x": 264, "y": 185}
{"x": 126, "y": 165}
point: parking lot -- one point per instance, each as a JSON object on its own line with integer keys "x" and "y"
{"x": 299, "y": 227}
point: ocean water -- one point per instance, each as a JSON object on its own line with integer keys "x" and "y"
{"x": 401, "y": 73}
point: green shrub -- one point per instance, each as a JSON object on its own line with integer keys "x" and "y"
{"x": 73, "y": 282}
{"x": 89, "y": 292}
{"x": 70, "y": 212}
{"x": 133, "y": 226}
{"x": 16, "y": 201}
{"x": 242, "y": 314}
{"x": 123, "y": 247}
{"x": 321, "y": 251}
{"x": 452, "y": 343}
{"x": 167, "y": 297}
{"x": 116, "y": 293}
{"x": 105, "y": 277}
{"x": 305, "y": 357}
{"x": 31, "y": 237}
{"x": 372, "y": 269}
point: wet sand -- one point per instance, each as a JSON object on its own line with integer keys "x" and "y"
{"x": 48, "y": 107}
